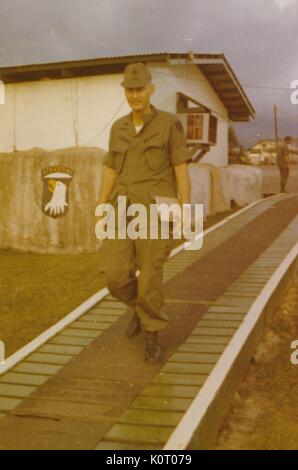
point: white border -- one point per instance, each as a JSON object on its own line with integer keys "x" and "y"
{"x": 198, "y": 409}
{"x": 52, "y": 331}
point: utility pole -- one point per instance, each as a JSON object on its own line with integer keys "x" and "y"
{"x": 275, "y": 128}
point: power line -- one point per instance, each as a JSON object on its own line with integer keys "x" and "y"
{"x": 102, "y": 130}
{"x": 268, "y": 87}
{"x": 106, "y": 126}
{"x": 244, "y": 85}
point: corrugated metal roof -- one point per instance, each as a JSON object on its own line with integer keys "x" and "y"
{"x": 214, "y": 66}
{"x": 80, "y": 60}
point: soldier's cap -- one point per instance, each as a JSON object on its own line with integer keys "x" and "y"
{"x": 136, "y": 75}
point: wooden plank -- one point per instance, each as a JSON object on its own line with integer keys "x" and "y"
{"x": 232, "y": 301}
{"x": 146, "y": 434}
{"x": 151, "y": 417}
{"x": 176, "y": 391}
{"x": 16, "y": 391}
{"x": 194, "y": 358}
{"x": 215, "y": 308}
{"x": 219, "y": 323}
{"x": 179, "y": 368}
{"x": 202, "y": 348}
{"x": 44, "y": 358}
{"x": 240, "y": 294}
{"x": 60, "y": 349}
{"x": 198, "y": 339}
{"x": 112, "y": 305}
{"x": 71, "y": 340}
{"x": 180, "y": 379}
{"x": 81, "y": 333}
{"x": 111, "y": 445}
{"x": 204, "y": 331}
{"x": 223, "y": 316}
{"x": 97, "y": 317}
{"x": 7, "y": 404}
{"x": 23, "y": 379}
{"x": 108, "y": 311}
{"x": 161, "y": 403}
{"x": 35, "y": 368}
{"x": 89, "y": 325}
{"x": 64, "y": 410}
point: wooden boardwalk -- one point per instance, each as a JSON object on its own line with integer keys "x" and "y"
{"x": 88, "y": 387}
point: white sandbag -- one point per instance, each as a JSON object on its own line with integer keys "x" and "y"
{"x": 207, "y": 189}
{"x": 241, "y": 183}
{"x": 200, "y": 180}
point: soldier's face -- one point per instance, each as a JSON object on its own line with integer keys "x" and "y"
{"x": 139, "y": 98}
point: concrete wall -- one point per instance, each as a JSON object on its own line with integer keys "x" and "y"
{"x": 53, "y": 114}
{"x": 23, "y": 224}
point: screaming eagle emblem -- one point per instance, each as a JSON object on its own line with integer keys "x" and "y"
{"x": 55, "y": 198}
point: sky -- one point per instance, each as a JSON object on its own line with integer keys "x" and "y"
{"x": 258, "y": 37}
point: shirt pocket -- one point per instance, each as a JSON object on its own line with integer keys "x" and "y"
{"x": 119, "y": 150}
{"x": 156, "y": 153}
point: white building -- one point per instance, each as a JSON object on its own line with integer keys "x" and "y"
{"x": 67, "y": 104}
{"x": 264, "y": 152}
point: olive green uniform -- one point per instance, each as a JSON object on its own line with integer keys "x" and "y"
{"x": 144, "y": 163}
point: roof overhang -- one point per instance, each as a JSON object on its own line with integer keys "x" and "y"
{"x": 223, "y": 80}
{"x": 215, "y": 67}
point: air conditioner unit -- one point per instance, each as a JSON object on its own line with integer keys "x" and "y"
{"x": 199, "y": 128}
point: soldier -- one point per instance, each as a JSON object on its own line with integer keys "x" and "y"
{"x": 283, "y": 162}
{"x": 147, "y": 158}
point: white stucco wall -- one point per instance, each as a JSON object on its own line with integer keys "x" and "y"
{"x": 54, "y": 114}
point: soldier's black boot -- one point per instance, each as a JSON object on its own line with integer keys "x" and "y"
{"x": 153, "y": 351}
{"x": 134, "y": 326}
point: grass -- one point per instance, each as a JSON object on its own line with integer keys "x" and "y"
{"x": 38, "y": 290}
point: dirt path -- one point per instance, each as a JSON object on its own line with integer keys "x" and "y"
{"x": 264, "y": 413}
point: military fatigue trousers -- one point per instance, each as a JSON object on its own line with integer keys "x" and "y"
{"x": 121, "y": 259}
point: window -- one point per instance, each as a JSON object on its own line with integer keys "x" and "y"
{"x": 212, "y": 129}
{"x": 194, "y": 130}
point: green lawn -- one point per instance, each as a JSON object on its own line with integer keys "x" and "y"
{"x": 37, "y": 290}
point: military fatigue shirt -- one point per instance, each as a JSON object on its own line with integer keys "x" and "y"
{"x": 145, "y": 161}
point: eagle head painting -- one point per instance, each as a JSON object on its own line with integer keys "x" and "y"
{"x": 55, "y": 194}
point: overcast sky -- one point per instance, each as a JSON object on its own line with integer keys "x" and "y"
{"x": 258, "y": 37}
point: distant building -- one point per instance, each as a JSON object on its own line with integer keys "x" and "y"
{"x": 263, "y": 152}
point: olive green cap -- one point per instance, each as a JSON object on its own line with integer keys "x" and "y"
{"x": 136, "y": 75}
